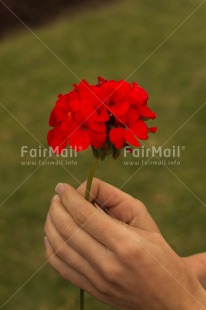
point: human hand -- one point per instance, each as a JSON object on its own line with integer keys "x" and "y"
{"x": 118, "y": 264}
{"x": 119, "y": 205}
{"x": 132, "y": 211}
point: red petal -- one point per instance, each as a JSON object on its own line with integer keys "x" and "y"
{"x": 58, "y": 114}
{"x": 74, "y": 94}
{"x": 146, "y": 112}
{"x": 116, "y": 136}
{"x": 97, "y": 139}
{"x": 121, "y": 90}
{"x": 87, "y": 111}
{"x": 98, "y": 127}
{"x": 79, "y": 140}
{"x": 68, "y": 128}
{"x": 56, "y": 140}
{"x": 135, "y": 99}
{"x": 74, "y": 105}
{"x": 152, "y": 129}
{"x": 131, "y": 139}
{"x": 140, "y": 91}
{"x": 108, "y": 90}
{"x": 101, "y": 80}
{"x": 119, "y": 108}
{"x": 132, "y": 116}
{"x": 63, "y": 100}
{"x": 140, "y": 130}
{"x": 103, "y": 115}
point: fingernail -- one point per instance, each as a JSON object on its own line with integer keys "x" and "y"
{"x": 54, "y": 198}
{"x": 59, "y": 188}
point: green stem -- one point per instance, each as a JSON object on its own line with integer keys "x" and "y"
{"x": 87, "y": 195}
{"x": 81, "y": 296}
{"x": 90, "y": 178}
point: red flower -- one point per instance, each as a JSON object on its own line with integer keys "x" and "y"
{"x": 77, "y": 120}
{"x": 106, "y": 116}
{"x": 131, "y": 127}
{"x": 116, "y": 96}
{"x": 138, "y": 98}
{"x": 56, "y": 140}
{"x": 80, "y": 132}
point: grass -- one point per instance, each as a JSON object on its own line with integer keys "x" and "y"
{"x": 111, "y": 42}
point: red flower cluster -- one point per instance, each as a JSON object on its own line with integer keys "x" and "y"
{"x": 106, "y": 116}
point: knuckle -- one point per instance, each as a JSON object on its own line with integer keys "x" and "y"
{"x": 111, "y": 272}
{"x": 106, "y": 269}
{"x": 123, "y": 253}
{"x": 61, "y": 251}
{"x": 129, "y": 250}
{"x": 82, "y": 217}
{"x": 103, "y": 288}
{"x": 64, "y": 274}
{"x": 66, "y": 230}
{"x": 113, "y": 275}
{"x": 140, "y": 204}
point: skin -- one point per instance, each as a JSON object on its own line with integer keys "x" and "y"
{"x": 113, "y": 249}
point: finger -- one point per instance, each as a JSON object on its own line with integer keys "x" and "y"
{"x": 97, "y": 224}
{"x": 120, "y": 205}
{"x": 64, "y": 251}
{"x": 103, "y": 193}
{"x": 67, "y": 272}
{"x": 74, "y": 245}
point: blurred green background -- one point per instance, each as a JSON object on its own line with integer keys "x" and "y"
{"x": 110, "y": 41}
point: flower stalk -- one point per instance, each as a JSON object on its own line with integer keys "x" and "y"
{"x": 87, "y": 196}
